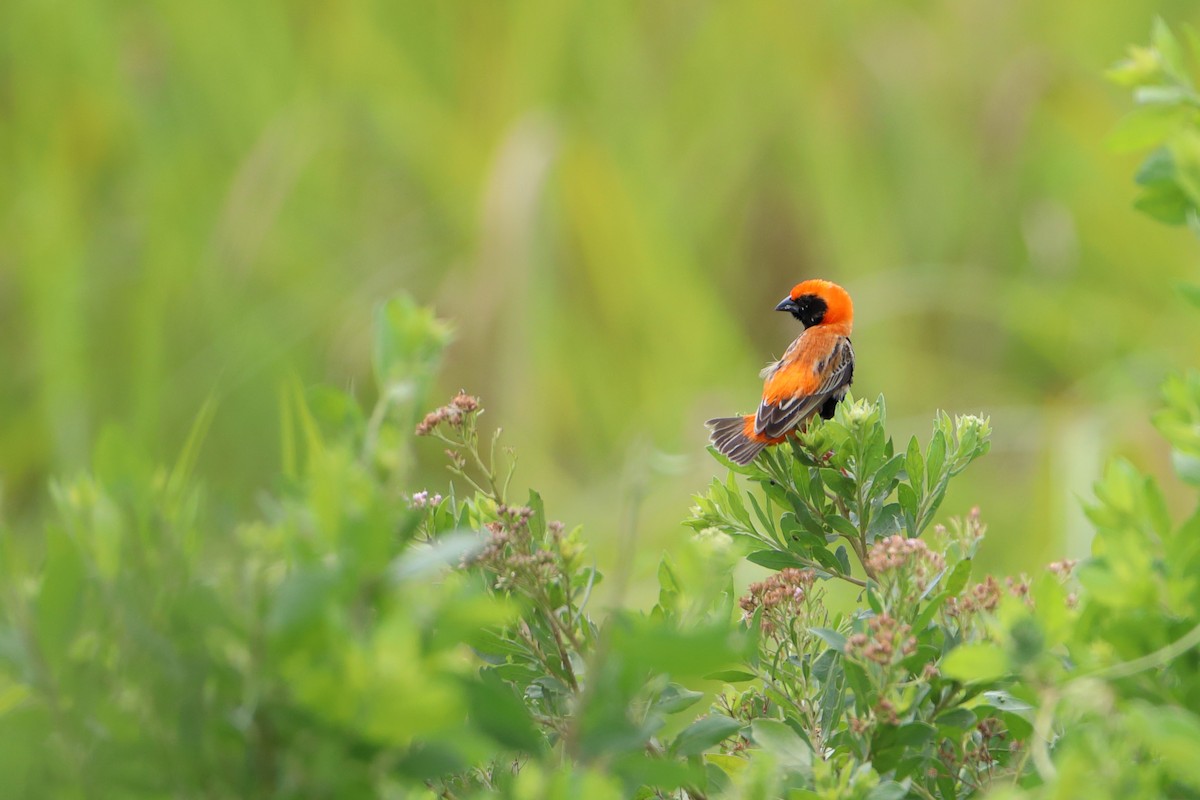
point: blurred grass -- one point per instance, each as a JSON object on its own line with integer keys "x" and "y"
{"x": 608, "y": 199}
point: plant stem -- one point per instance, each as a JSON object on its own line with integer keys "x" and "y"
{"x": 1150, "y": 660}
{"x": 1040, "y": 746}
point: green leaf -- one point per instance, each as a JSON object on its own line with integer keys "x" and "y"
{"x": 448, "y": 550}
{"x": 776, "y": 559}
{"x": 958, "y": 577}
{"x": 655, "y": 646}
{"x": 739, "y": 469}
{"x": 767, "y": 526}
{"x": 791, "y": 752}
{"x": 1156, "y": 508}
{"x": 518, "y": 674}
{"x": 676, "y": 698}
{"x": 859, "y": 683}
{"x": 1147, "y": 125}
{"x": 873, "y": 597}
{"x": 1158, "y": 168}
{"x": 731, "y": 765}
{"x": 1166, "y": 203}
{"x": 910, "y": 503}
{"x": 842, "y": 525}
{"x": 831, "y": 637}
{"x": 489, "y": 642}
{"x": 976, "y": 662}
{"x": 1018, "y": 726}
{"x": 929, "y": 610}
{"x": 823, "y": 668}
{"x": 842, "y": 486}
{"x": 703, "y": 734}
{"x": 62, "y": 592}
{"x": 1187, "y": 466}
{"x": 935, "y": 459}
{"x": 665, "y": 775}
{"x": 806, "y": 521}
{"x": 800, "y": 539}
{"x": 888, "y": 790}
{"x": 299, "y": 601}
{"x": 886, "y": 522}
{"x": 185, "y": 463}
{"x": 960, "y": 719}
{"x": 914, "y": 734}
{"x": 883, "y": 482}
{"x": 1027, "y": 641}
{"x": 914, "y": 466}
{"x": 1173, "y": 735}
{"x": 1165, "y": 95}
{"x": 537, "y": 521}
{"x": 1169, "y": 51}
{"x": 1004, "y": 701}
{"x": 843, "y": 558}
{"x": 501, "y": 714}
{"x": 827, "y": 560}
{"x": 427, "y": 760}
{"x": 730, "y": 676}
{"x": 891, "y": 743}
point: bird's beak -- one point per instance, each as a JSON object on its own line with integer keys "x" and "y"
{"x": 787, "y": 304}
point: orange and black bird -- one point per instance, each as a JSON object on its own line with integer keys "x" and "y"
{"x": 810, "y": 378}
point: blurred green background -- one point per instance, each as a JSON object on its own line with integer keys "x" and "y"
{"x": 607, "y": 198}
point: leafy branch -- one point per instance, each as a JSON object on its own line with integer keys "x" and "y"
{"x": 839, "y": 480}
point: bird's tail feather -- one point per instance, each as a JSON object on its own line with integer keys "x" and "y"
{"x": 729, "y": 436}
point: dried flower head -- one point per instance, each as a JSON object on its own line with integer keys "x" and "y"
{"x": 886, "y": 641}
{"x": 896, "y": 555}
{"x": 427, "y": 425}
{"x": 983, "y": 596}
{"x": 465, "y": 402}
{"x": 780, "y": 596}
{"x": 1063, "y": 568}
{"x": 512, "y": 553}
{"x": 885, "y": 712}
{"x": 453, "y": 414}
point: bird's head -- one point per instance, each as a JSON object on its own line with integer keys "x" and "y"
{"x": 818, "y": 302}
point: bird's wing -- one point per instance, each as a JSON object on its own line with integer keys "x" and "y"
{"x": 815, "y": 367}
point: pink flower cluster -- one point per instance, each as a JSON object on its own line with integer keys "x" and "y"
{"x": 782, "y": 593}
{"x": 453, "y": 413}
{"x": 895, "y": 553}
{"x": 885, "y": 639}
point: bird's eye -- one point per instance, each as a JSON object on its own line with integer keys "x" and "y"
{"x": 810, "y": 309}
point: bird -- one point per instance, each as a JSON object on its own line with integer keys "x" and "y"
{"x": 811, "y": 378}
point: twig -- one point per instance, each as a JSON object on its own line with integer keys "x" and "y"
{"x": 1040, "y": 747}
{"x": 1151, "y": 660}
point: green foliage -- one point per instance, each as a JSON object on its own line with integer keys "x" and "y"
{"x": 840, "y": 480}
{"x": 1166, "y": 114}
{"x": 151, "y": 649}
{"x": 355, "y": 638}
{"x": 1115, "y": 681}
{"x": 358, "y": 637}
{"x": 907, "y": 692}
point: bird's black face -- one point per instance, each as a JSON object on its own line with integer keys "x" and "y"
{"x": 808, "y": 308}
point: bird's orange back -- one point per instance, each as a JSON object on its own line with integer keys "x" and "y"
{"x": 802, "y": 369}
